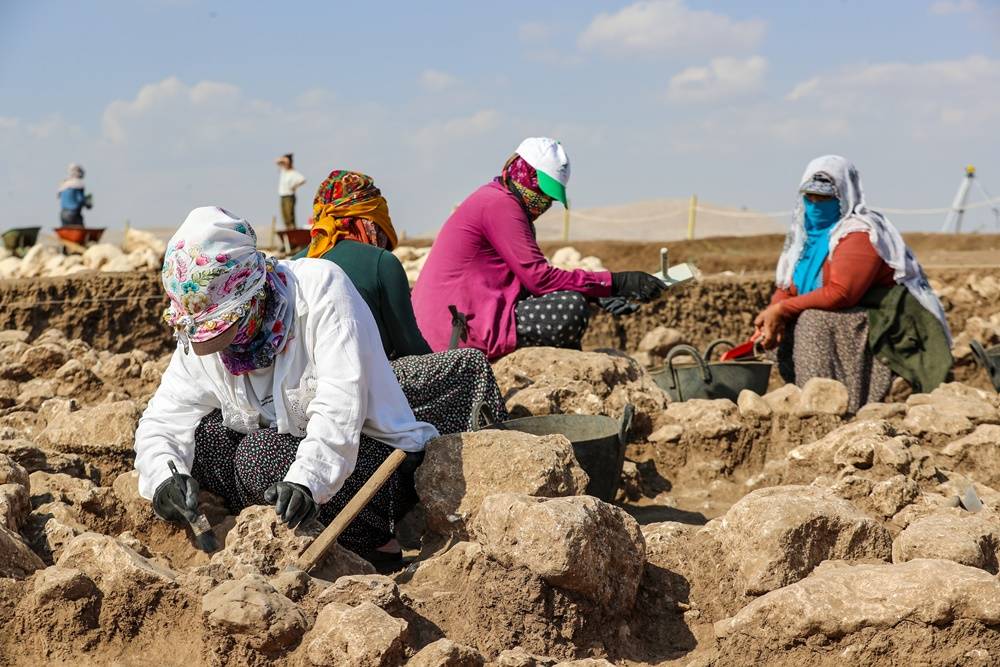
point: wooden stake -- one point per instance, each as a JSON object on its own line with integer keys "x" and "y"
{"x": 692, "y": 212}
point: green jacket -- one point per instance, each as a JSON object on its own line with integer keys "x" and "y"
{"x": 907, "y": 338}
{"x": 381, "y": 280}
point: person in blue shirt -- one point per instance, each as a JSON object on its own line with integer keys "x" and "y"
{"x": 72, "y": 198}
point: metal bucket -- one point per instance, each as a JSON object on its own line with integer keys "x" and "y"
{"x": 19, "y": 239}
{"x": 989, "y": 360}
{"x": 598, "y": 442}
{"x": 710, "y": 379}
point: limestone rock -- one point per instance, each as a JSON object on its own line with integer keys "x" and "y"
{"x": 35, "y": 392}
{"x": 293, "y": 584}
{"x": 705, "y": 418}
{"x": 362, "y": 636}
{"x": 252, "y": 609}
{"x": 977, "y": 454}
{"x": 952, "y": 534}
{"x": 874, "y": 446}
{"x": 460, "y": 470}
{"x": 838, "y": 599}
{"x": 75, "y": 380}
{"x": 259, "y": 543}
{"x": 12, "y": 473}
{"x": 657, "y": 342}
{"x": 932, "y": 419}
{"x": 32, "y": 458}
{"x": 879, "y": 411}
{"x": 14, "y": 506}
{"x": 776, "y": 536}
{"x": 104, "y": 428}
{"x": 545, "y": 380}
{"x": 111, "y": 564}
{"x": 17, "y": 561}
{"x": 9, "y": 336}
{"x": 352, "y": 590}
{"x": 753, "y": 406}
{"x": 666, "y": 433}
{"x": 957, "y": 399}
{"x": 9, "y": 391}
{"x": 893, "y": 494}
{"x": 823, "y": 396}
{"x": 51, "y": 527}
{"x": 43, "y": 359}
{"x": 59, "y": 584}
{"x": 785, "y": 399}
{"x": 446, "y": 653}
{"x": 580, "y": 544}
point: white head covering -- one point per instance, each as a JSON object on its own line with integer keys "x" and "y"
{"x": 857, "y": 217}
{"x": 74, "y": 178}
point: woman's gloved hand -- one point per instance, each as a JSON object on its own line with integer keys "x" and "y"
{"x": 293, "y": 503}
{"x": 617, "y": 305}
{"x": 636, "y": 284}
{"x": 176, "y": 499}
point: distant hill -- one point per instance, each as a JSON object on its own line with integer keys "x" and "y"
{"x": 655, "y": 220}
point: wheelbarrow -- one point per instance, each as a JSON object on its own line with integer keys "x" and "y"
{"x": 989, "y": 360}
{"x": 710, "y": 379}
{"x": 19, "y": 239}
{"x": 294, "y": 239}
{"x": 598, "y": 442}
{"x": 76, "y": 239}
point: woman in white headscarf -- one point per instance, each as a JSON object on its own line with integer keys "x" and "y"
{"x": 278, "y": 393}
{"x": 852, "y": 303}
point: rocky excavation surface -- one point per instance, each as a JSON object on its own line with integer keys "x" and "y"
{"x": 777, "y": 529}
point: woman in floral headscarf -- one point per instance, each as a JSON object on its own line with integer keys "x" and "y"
{"x": 278, "y": 391}
{"x": 353, "y": 229}
{"x": 486, "y": 264}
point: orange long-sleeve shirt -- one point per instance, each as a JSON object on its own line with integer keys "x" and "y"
{"x": 848, "y": 274}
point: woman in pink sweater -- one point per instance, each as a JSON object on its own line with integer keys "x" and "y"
{"x": 486, "y": 263}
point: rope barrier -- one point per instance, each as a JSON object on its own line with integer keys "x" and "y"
{"x": 32, "y": 304}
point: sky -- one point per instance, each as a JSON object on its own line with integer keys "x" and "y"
{"x": 174, "y": 104}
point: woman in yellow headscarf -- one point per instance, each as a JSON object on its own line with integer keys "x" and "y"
{"x": 349, "y": 206}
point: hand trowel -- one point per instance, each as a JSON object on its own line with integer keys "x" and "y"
{"x": 676, "y": 274}
{"x": 200, "y": 527}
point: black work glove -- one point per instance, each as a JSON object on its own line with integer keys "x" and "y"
{"x": 176, "y": 499}
{"x": 617, "y": 305}
{"x": 293, "y": 503}
{"x": 636, "y": 284}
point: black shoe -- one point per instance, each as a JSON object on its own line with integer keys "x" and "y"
{"x": 385, "y": 562}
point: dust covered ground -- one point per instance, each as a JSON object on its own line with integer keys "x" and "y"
{"x": 779, "y": 529}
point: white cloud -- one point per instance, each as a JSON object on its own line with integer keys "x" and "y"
{"x": 533, "y": 31}
{"x": 668, "y": 26}
{"x": 721, "y": 78}
{"x": 460, "y": 128}
{"x": 946, "y": 7}
{"x": 160, "y": 109}
{"x": 926, "y": 99}
{"x": 436, "y": 81}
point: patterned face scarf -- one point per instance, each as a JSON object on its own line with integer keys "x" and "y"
{"x": 349, "y": 206}
{"x": 521, "y": 178}
{"x": 216, "y": 279}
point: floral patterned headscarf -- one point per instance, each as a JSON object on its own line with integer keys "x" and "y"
{"x": 216, "y": 279}
{"x": 349, "y": 206}
{"x": 521, "y": 178}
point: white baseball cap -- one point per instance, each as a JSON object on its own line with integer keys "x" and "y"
{"x": 550, "y": 162}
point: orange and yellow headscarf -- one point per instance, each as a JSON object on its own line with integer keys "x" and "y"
{"x": 349, "y": 206}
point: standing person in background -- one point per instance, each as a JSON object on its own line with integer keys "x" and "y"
{"x": 72, "y": 198}
{"x": 289, "y": 181}
{"x": 486, "y": 262}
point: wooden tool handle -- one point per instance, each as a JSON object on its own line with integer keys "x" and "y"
{"x": 315, "y": 552}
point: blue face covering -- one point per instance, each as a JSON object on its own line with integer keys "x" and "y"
{"x": 819, "y": 218}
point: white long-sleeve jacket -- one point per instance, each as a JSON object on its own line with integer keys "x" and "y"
{"x": 331, "y": 383}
